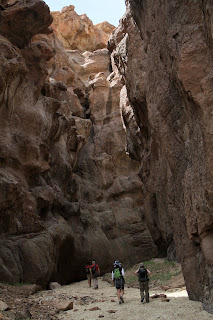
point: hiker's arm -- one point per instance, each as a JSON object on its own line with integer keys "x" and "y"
{"x": 122, "y": 272}
{"x": 149, "y": 272}
{"x": 90, "y": 272}
{"x": 112, "y": 276}
{"x": 136, "y": 272}
{"x": 99, "y": 272}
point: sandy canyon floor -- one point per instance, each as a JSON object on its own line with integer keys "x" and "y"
{"x": 102, "y": 303}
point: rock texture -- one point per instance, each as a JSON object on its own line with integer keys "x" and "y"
{"x": 69, "y": 191}
{"x": 169, "y": 126}
{"x": 78, "y": 32}
{"x": 41, "y": 136}
{"x": 77, "y": 182}
{"x": 36, "y": 20}
{"x": 107, "y": 186}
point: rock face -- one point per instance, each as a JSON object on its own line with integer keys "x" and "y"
{"x": 41, "y": 136}
{"x": 69, "y": 191}
{"x": 78, "y": 32}
{"x": 107, "y": 186}
{"x": 13, "y": 26}
{"x": 169, "y": 126}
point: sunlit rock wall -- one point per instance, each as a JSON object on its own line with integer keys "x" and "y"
{"x": 77, "y": 32}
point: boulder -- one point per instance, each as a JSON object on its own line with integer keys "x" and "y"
{"x": 37, "y": 19}
{"x": 77, "y": 32}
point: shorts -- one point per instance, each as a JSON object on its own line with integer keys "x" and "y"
{"x": 95, "y": 275}
{"x": 119, "y": 283}
{"x": 88, "y": 276}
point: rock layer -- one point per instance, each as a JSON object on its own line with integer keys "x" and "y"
{"x": 77, "y": 32}
{"x": 25, "y": 15}
{"x": 39, "y": 142}
{"x": 168, "y": 81}
{"x": 69, "y": 191}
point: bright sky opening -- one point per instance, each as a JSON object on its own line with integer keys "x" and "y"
{"x": 97, "y": 10}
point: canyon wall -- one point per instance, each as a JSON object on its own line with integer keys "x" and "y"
{"x": 168, "y": 80}
{"x": 69, "y": 190}
{"x": 78, "y": 32}
{"x": 106, "y": 154}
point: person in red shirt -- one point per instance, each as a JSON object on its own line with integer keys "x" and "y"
{"x": 95, "y": 274}
{"x": 88, "y": 273}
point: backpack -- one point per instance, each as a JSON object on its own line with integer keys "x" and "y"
{"x": 143, "y": 275}
{"x": 93, "y": 269}
{"x": 117, "y": 274}
{"x": 87, "y": 270}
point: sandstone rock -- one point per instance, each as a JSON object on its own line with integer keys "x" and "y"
{"x": 54, "y": 285}
{"x": 166, "y": 288}
{"x": 165, "y": 300}
{"x": 3, "y": 306}
{"x": 27, "y": 197}
{"x": 103, "y": 159}
{"x": 94, "y": 309}
{"x": 78, "y": 32}
{"x": 14, "y": 27}
{"x": 2, "y": 317}
{"x": 63, "y": 305}
{"x": 106, "y": 27}
{"x": 168, "y": 70}
{"x": 161, "y": 295}
{"x": 23, "y": 315}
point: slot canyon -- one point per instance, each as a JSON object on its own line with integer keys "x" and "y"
{"x": 106, "y": 141}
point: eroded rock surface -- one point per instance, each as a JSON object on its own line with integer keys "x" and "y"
{"x": 168, "y": 80}
{"x": 77, "y": 32}
{"x": 24, "y": 19}
{"x": 41, "y": 136}
{"x": 69, "y": 191}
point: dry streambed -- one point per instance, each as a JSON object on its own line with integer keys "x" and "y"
{"x": 90, "y": 304}
{"x": 85, "y": 303}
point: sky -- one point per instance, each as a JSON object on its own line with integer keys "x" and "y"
{"x": 96, "y": 10}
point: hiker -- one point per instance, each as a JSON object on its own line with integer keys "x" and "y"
{"x": 95, "y": 274}
{"x": 143, "y": 277}
{"x": 88, "y": 273}
{"x": 118, "y": 279}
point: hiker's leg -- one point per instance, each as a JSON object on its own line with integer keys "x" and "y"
{"x": 147, "y": 290}
{"x": 89, "y": 280}
{"x": 118, "y": 287}
{"x": 121, "y": 297}
{"x": 118, "y": 294}
{"x": 94, "y": 282}
{"x": 141, "y": 290}
{"x": 122, "y": 290}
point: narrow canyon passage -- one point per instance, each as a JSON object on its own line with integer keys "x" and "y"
{"x": 106, "y": 141}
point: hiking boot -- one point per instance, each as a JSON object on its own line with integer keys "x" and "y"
{"x": 147, "y": 301}
{"x": 120, "y": 302}
{"x": 122, "y": 299}
{"x": 142, "y": 299}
